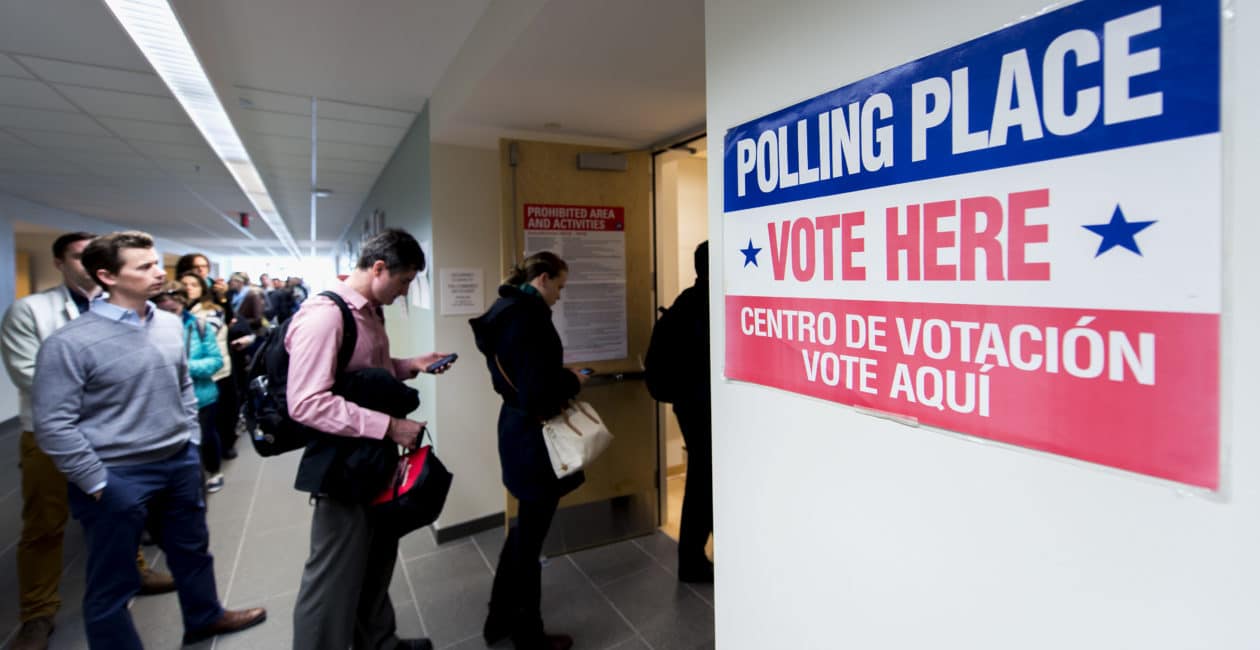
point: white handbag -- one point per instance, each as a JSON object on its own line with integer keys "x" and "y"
{"x": 575, "y": 438}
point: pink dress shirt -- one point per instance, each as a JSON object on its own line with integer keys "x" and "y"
{"x": 313, "y": 340}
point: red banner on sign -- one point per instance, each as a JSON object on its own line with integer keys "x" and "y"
{"x": 575, "y": 217}
{"x": 1128, "y": 389}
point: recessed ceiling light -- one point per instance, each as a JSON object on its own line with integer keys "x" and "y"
{"x": 153, "y": 26}
{"x": 321, "y": 192}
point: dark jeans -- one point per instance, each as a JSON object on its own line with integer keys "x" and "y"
{"x": 517, "y": 591}
{"x": 167, "y": 493}
{"x": 228, "y": 413}
{"x": 211, "y": 452}
{"x": 697, "y": 512}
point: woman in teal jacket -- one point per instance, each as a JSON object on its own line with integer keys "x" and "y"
{"x": 204, "y": 359}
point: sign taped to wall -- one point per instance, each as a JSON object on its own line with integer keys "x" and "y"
{"x": 1017, "y": 238}
{"x": 591, "y": 314}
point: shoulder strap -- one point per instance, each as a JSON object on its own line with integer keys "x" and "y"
{"x": 504, "y": 373}
{"x": 349, "y": 330}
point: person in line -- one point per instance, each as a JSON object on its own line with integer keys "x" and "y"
{"x": 129, "y": 460}
{"x": 238, "y": 288}
{"x": 227, "y": 413}
{"x": 344, "y": 597}
{"x": 204, "y": 360}
{"x": 200, "y": 264}
{"x": 678, "y": 371}
{"x": 202, "y": 305}
{"x": 44, "y": 510}
{"x": 245, "y": 336}
{"x": 526, "y": 362}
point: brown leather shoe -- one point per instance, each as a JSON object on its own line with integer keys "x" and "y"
{"x": 154, "y": 582}
{"x": 233, "y": 620}
{"x": 34, "y": 634}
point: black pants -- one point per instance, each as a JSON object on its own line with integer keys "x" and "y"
{"x": 697, "y": 512}
{"x": 228, "y": 412}
{"x": 517, "y": 591}
{"x": 211, "y": 450}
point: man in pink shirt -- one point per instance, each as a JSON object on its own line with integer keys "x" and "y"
{"x": 344, "y": 598}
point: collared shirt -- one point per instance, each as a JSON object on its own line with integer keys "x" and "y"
{"x": 313, "y": 340}
{"x": 103, "y": 307}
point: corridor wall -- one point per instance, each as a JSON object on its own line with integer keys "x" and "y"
{"x": 859, "y": 532}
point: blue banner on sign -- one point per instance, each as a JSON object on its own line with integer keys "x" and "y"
{"x": 1093, "y": 76}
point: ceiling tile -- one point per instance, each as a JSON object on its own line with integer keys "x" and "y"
{"x": 75, "y": 142}
{"x": 359, "y": 152}
{"x": 108, "y": 103}
{"x": 31, "y": 93}
{"x": 153, "y": 131}
{"x": 46, "y": 120}
{"x": 79, "y": 74}
{"x": 268, "y": 101}
{"x": 268, "y": 123}
{"x": 167, "y": 151}
{"x": 366, "y": 114}
{"x": 10, "y": 68}
{"x": 277, "y": 144}
{"x": 373, "y": 134}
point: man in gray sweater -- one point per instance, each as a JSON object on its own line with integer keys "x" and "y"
{"x": 114, "y": 409}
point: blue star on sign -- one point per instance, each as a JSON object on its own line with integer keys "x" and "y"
{"x": 1118, "y": 232}
{"x": 750, "y": 254}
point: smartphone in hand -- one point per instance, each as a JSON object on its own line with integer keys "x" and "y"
{"x": 441, "y": 363}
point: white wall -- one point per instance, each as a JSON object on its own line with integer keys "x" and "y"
{"x": 466, "y": 234}
{"x": 862, "y": 533}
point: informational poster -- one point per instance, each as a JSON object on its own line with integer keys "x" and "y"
{"x": 1017, "y": 238}
{"x": 591, "y": 314}
{"x": 463, "y": 291}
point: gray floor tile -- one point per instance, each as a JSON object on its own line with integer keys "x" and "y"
{"x": 491, "y": 543}
{"x": 666, "y": 613}
{"x": 571, "y": 605}
{"x": 275, "y": 633}
{"x": 417, "y": 543}
{"x": 452, "y": 587}
{"x": 407, "y": 620}
{"x": 605, "y": 564}
{"x": 282, "y": 508}
{"x": 633, "y": 644}
{"x": 662, "y": 547}
{"x": 269, "y": 565}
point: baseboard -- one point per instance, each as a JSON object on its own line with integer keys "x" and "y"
{"x": 468, "y": 528}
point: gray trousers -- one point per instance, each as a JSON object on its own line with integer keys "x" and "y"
{"x": 344, "y": 599}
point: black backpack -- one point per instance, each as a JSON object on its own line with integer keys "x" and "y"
{"x": 277, "y": 433}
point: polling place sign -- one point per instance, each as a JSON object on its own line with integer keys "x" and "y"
{"x": 1017, "y": 238}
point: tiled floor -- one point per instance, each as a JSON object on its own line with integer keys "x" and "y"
{"x": 622, "y": 596}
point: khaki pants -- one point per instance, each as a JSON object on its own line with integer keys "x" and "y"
{"x": 44, "y": 514}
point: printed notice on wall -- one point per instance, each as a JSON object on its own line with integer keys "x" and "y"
{"x": 1017, "y": 238}
{"x": 463, "y": 291}
{"x": 591, "y": 314}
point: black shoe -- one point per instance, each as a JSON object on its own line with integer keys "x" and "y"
{"x": 229, "y": 453}
{"x": 414, "y": 644}
{"x": 696, "y": 572}
{"x": 545, "y": 642}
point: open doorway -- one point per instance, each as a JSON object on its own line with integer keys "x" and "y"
{"x": 682, "y": 222}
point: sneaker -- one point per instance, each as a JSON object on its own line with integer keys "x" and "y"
{"x": 34, "y": 634}
{"x": 214, "y": 483}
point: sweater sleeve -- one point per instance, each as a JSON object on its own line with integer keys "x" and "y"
{"x": 57, "y": 399}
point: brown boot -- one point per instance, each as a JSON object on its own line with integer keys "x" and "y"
{"x": 233, "y": 620}
{"x": 34, "y": 634}
{"x": 153, "y": 582}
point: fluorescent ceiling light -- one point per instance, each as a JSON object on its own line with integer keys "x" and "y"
{"x": 152, "y": 24}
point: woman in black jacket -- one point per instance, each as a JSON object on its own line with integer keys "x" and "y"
{"x": 526, "y": 363}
